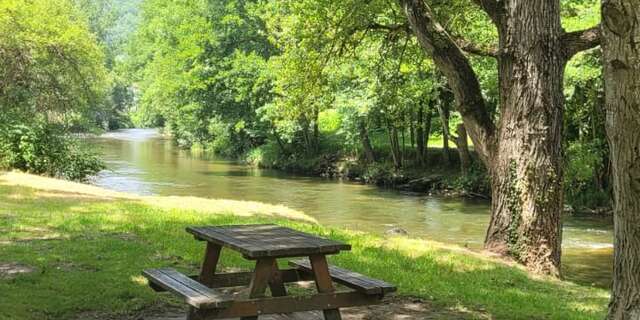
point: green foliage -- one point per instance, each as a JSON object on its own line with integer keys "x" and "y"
{"x": 583, "y": 185}
{"x": 50, "y": 62}
{"x": 317, "y": 78}
{"x": 54, "y": 81}
{"x": 45, "y": 149}
{"x": 476, "y": 180}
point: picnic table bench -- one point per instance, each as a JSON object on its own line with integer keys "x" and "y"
{"x": 206, "y": 295}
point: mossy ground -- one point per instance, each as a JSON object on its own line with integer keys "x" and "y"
{"x": 88, "y": 251}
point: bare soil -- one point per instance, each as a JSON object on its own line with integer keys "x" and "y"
{"x": 394, "y": 308}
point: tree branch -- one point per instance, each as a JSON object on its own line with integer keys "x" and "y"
{"x": 577, "y": 41}
{"x": 451, "y": 61}
{"x": 390, "y": 28}
{"x": 473, "y": 48}
{"x": 491, "y": 7}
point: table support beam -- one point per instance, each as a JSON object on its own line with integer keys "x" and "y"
{"x": 324, "y": 283}
{"x": 209, "y": 264}
{"x": 260, "y": 280}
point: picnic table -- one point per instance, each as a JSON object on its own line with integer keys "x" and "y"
{"x": 206, "y": 295}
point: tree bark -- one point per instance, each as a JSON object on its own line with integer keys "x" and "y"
{"x": 621, "y": 51}
{"x": 366, "y": 143}
{"x": 443, "y": 111}
{"x": 527, "y": 171}
{"x": 395, "y": 146}
{"x": 523, "y": 153}
{"x": 463, "y": 148}
{"x": 420, "y": 139}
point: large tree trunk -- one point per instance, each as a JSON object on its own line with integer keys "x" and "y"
{"x": 523, "y": 153}
{"x": 463, "y": 148}
{"x": 621, "y": 47}
{"x": 527, "y": 172}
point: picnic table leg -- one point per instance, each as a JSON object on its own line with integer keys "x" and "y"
{"x": 276, "y": 285}
{"x": 208, "y": 270}
{"x": 324, "y": 283}
{"x": 260, "y": 280}
{"x": 209, "y": 264}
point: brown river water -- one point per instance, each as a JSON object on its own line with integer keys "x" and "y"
{"x": 141, "y": 161}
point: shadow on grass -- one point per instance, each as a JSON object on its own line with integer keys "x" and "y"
{"x": 95, "y": 266}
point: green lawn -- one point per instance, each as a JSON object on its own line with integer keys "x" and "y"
{"x": 89, "y": 251}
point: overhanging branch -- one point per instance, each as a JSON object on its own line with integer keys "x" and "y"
{"x": 475, "y": 49}
{"x": 577, "y": 41}
{"x": 451, "y": 61}
{"x": 491, "y": 7}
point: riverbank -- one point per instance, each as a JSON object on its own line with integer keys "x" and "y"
{"x": 67, "y": 238}
{"x": 440, "y": 175}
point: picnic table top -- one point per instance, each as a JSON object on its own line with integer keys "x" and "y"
{"x": 267, "y": 241}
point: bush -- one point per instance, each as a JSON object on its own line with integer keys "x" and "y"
{"x": 45, "y": 149}
{"x": 584, "y": 163}
{"x": 264, "y": 156}
{"x": 476, "y": 180}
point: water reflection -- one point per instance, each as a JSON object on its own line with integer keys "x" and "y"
{"x": 141, "y": 161}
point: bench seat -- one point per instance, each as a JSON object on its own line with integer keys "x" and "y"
{"x": 193, "y": 292}
{"x": 348, "y": 278}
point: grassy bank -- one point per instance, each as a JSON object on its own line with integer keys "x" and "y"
{"x": 88, "y": 246}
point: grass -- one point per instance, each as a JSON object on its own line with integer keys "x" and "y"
{"x": 88, "y": 250}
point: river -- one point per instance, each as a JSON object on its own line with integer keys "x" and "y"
{"x": 143, "y": 162}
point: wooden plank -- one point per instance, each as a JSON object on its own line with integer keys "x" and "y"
{"x": 243, "y": 279}
{"x": 261, "y": 241}
{"x": 209, "y": 264}
{"x": 320, "y": 269}
{"x": 194, "y": 293}
{"x": 260, "y": 281}
{"x": 288, "y": 304}
{"x": 276, "y": 283}
{"x": 350, "y": 279}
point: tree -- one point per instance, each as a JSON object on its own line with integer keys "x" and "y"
{"x": 523, "y": 150}
{"x": 620, "y": 34}
{"x": 52, "y": 80}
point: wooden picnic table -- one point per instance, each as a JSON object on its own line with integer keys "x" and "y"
{"x": 265, "y": 244}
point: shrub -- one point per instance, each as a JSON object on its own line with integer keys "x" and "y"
{"x": 45, "y": 149}
{"x": 585, "y": 161}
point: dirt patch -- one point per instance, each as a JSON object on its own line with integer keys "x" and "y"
{"x": 394, "y": 308}
{"x": 10, "y": 270}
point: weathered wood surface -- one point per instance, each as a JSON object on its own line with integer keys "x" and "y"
{"x": 194, "y": 293}
{"x": 320, "y": 269}
{"x": 267, "y": 241}
{"x": 243, "y": 279}
{"x": 350, "y": 279}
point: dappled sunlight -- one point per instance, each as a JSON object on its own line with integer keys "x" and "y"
{"x": 140, "y": 280}
{"x": 72, "y": 191}
{"x": 235, "y": 207}
{"x": 15, "y": 178}
{"x": 120, "y": 237}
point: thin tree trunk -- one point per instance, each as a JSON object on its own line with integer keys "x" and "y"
{"x": 316, "y": 132}
{"x": 621, "y": 48}
{"x": 463, "y": 148}
{"x": 412, "y": 130}
{"x": 366, "y": 143}
{"x": 395, "y": 147}
{"x": 427, "y": 133}
{"x": 420, "y": 143}
{"x": 443, "y": 110}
